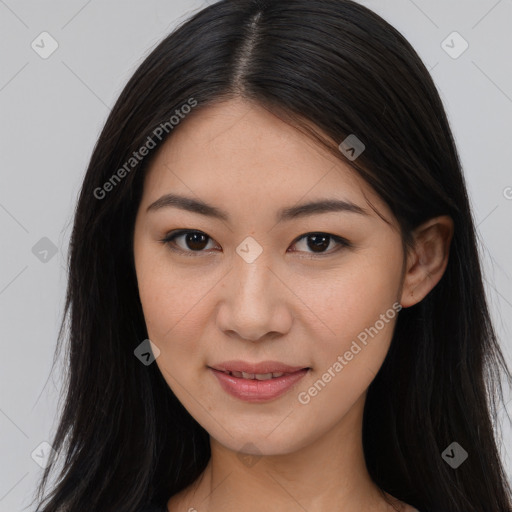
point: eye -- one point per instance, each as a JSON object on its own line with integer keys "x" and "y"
{"x": 320, "y": 241}
{"x": 196, "y": 241}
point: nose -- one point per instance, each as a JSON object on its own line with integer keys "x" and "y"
{"x": 255, "y": 303}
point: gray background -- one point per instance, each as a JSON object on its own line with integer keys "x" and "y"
{"x": 53, "y": 109}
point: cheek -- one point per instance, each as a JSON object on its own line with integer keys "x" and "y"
{"x": 169, "y": 312}
{"x": 361, "y": 318}
{"x": 176, "y": 309}
{"x": 169, "y": 305}
{"x": 357, "y": 312}
{"x": 165, "y": 294}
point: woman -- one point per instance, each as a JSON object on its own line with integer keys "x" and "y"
{"x": 275, "y": 296}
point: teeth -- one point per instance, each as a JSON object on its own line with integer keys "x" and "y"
{"x": 263, "y": 376}
{"x": 256, "y": 376}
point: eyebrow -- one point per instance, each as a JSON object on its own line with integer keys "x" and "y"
{"x": 285, "y": 214}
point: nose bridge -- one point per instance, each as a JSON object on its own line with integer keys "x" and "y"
{"x": 254, "y": 278}
{"x": 254, "y": 300}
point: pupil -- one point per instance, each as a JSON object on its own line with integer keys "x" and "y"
{"x": 319, "y": 241}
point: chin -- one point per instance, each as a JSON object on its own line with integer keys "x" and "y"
{"x": 258, "y": 443}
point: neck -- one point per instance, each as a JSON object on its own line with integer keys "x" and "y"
{"x": 329, "y": 473}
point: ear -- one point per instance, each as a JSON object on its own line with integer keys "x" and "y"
{"x": 427, "y": 261}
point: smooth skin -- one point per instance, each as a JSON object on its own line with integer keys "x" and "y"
{"x": 298, "y": 303}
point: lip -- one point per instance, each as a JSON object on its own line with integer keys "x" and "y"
{"x": 262, "y": 367}
{"x": 253, "y": 390}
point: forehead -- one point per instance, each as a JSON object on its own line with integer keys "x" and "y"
{"x": 239, "y": 154}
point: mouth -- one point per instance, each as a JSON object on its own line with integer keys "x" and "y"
{"x": 264, "y": 370}
{"x": 257, "y": 386}
{"x": 258, "y": 376}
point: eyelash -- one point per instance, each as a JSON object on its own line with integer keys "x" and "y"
{"x": 170, "y": 237}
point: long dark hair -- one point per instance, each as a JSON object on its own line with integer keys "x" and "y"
{"x": 331, "y": 68}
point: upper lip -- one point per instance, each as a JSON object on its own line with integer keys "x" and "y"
{"x": 259, "y": 368}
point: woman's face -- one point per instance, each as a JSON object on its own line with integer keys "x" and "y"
{"x": 252, "y": 285}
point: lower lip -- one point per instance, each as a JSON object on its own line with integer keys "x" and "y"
{"x": 252, "y": 390}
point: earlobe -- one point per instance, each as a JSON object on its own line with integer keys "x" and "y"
{"x": 428, "y": 259}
